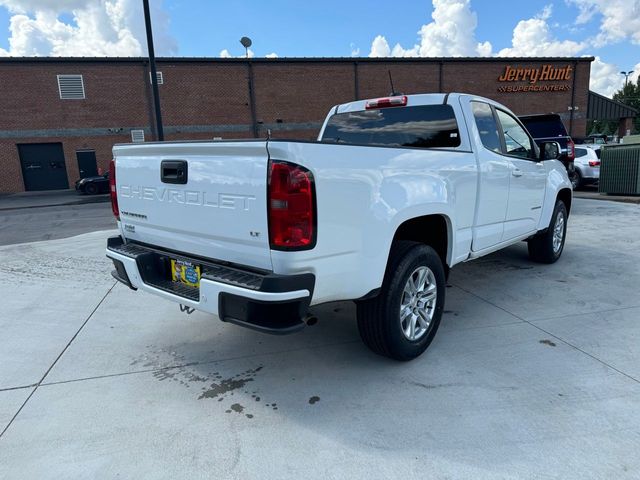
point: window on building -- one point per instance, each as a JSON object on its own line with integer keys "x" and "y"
{"x": 517, "y": 141}
{"x": 424, "y": 126}
{"x": 159, "y": 78}
{"x": 71, "y": 87}
{"x": 487, "y": 126}
{"x": 137, "y": 136}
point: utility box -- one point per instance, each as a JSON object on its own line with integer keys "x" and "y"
{"x": 620, "y": 170}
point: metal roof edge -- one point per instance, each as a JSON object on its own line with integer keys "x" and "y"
{"x": 291, "y": 59}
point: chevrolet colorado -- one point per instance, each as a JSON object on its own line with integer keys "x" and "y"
{"x": 394, "y": 193}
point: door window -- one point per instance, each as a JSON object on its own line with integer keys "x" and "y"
{"x": 516, "y": 139}
{"x": 487, "y": 126}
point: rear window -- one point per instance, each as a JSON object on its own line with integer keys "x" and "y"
{"x": 425, "y": 126}
{"x": 581, "y": 152}
{"x": 545, "y": 127}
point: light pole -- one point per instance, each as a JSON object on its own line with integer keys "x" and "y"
{"x": 246, "y": 43}
{"x": 154, "y": 74}
{"x": 626, "y": 76}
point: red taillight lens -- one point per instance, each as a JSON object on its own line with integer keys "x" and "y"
{"x": 291, "y": 196}
{"x": 400, "y": 101}
{"x": 112, "y": 189}
{"x": 571, "y": 150}
{"x": 594, "y": 163}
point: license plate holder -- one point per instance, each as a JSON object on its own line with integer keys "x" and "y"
{"x": 185, "y": 272}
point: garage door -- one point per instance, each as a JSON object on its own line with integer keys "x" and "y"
{"x": 43, "y": 166}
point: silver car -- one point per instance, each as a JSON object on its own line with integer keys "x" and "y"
{"x": 587, "y": 165}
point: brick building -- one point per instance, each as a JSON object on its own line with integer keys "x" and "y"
{"x": 61, "y": 116}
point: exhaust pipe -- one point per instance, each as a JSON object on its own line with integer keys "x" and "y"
{"x": 310, "y": 320}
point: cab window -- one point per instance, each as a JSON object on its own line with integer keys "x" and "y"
{"x": 517, "y": 141}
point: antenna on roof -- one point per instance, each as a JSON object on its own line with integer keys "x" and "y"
{"x": 393, "y": 90}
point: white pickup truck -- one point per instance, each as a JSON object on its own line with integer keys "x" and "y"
{"x": 394, "y": 193}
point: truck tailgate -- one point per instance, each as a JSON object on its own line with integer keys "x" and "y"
{"x": 220, "y": 212}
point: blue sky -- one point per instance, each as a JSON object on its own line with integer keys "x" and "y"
{"x": 332, "y": 28}
{"x": 328, "y": 28}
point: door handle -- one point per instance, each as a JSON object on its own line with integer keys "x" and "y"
{"x": 174, "y": 171}
{"x": 516, "y": 173}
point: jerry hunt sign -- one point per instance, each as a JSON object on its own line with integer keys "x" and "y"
{"x": 531, "y": 76}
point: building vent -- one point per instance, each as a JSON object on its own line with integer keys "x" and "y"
{"x": 137, "y": 136}
{"x": 71, "y": 87}
{"x": 158, "y": 76}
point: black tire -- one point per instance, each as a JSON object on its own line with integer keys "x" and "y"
{"x": 541, "y": 247}
{"x": 379, "y": 319}
{"x": 576, "y": 180}
{"x": 90, "y": 189}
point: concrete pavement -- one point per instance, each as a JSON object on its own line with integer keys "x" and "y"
{"x": 48, "y": 198}
{"x": 533, "y": 374}
{"x": 48, "y": 223}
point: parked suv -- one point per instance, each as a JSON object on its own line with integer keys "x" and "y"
{"x": 548, "y": 128}
{"x": 587, "y": 166}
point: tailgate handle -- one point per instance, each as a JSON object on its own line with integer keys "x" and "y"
{"x": 173, "y": 171}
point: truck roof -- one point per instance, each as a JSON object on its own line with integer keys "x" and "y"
{"x": 412, "y": 101}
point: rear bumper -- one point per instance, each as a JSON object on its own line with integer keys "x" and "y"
{"x": 259, "y": 300}
{"x": 589, "y": 173}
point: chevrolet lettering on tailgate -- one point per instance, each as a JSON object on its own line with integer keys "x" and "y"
{"x": 231, "y": 201}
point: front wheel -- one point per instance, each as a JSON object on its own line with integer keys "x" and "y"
{"x": 547, "y": 247}
{"x": 402, "y": 320}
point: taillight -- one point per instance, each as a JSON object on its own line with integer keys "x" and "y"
{"x": 594, "y": 163}
{"x": 112, "y": 189}
{"x": 400, "y": 101}
{"x": 291, "y": 196}
{"x": 571, "y": 150}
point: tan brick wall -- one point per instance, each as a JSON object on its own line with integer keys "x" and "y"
{"x": 216, "y": 93}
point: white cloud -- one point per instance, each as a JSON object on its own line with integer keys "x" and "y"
{"x": 605, "y": 78}
{"x": 355, "y": 51}
{"x": 271, "y": 55}
{"x": 532, "y": 37}
{"x": 226, "y": 54}
{"x": 451, "y": 33}
{"x": 380, "y": 47}
{"x": 98, "y": 28}
{"x": 620, "y": 19}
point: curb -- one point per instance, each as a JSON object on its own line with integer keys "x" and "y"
{"x": 619, "y": 199}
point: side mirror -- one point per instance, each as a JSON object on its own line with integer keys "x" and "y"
{"x": 550, "y": 150}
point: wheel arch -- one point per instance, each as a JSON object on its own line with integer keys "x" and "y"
{"x": 433, "y": 230}
{"x": 566, "y": 196}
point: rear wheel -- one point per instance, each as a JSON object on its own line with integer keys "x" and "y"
{"x": 547, "y": 247}
{"x": 402, "y": 320}
{"x": 576, "y": 180}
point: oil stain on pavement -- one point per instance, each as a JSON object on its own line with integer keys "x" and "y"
{"x": 168, "y": 365}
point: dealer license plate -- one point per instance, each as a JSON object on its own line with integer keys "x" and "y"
{"x": 185, "y": 272}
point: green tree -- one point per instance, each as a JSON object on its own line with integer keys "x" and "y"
{"x": 629, "y": 94}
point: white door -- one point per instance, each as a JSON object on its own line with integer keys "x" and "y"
{"x": 494, "y": 173}
{"x": 527, "y": 181}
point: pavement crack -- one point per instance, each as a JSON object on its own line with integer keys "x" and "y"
{"x": 21, "y": 387}
{"x": 57, "y": 359}
{"x": 208, "y": 362}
